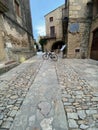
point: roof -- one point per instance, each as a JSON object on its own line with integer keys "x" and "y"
{"x": 54, "y": 10}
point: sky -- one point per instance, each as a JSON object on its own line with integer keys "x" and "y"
{"x": 39, "y": 8}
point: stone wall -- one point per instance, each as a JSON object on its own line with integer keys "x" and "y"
{"x": 49, "y": 44}
{"x": 73, "y": 44}
{"x": 78, "y": 42}
{"x": 24, "y": 20}
{"x": 78, "y": 29}
{"x": 57, "y": 22}
{"x": 93, "y": 27}
{"x": 2, "y": 51}
{"x": 16, "y": 38}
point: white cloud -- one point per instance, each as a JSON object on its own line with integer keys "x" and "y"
{"x": 41, "y": 30}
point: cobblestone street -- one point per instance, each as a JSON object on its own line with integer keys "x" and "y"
{"x": 79, "y": 83}
{"x": 47, "y": 95}
{"x": 14, "y": 86}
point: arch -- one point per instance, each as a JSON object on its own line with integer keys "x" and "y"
{"x": 57, "y": 45}
{"x": 94, "y": 47}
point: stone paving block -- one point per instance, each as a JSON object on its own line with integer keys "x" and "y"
{"x": 72, "y": 115}
{"x": 93, "y": 128}
{"x": 91, "y": 112}
{"x": 82, "y": 90}
{"x": 95, "y": 116}
{"x": 3, "y": 129}
{"x": 47, "y": 123}
{"x": 44, "y": 108}
{"x": 31, "y": 120}
{"x": 13, "y": 113}
{"x": 1, "y": 122}
{"x": 6, "y": 124}
{"x": 1, "y": 116}
{"x": 78, "y": 92}
{"x": 84, "y": 127}
{"x": 94, "y": 99}
{"x": 72, "y": 123}
{"x": 35, "y": 129}
{"x": 81, "y": 114}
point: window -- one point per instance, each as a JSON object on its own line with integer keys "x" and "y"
{"x": 52, "y": 31}
{"x": 77, "y": 50}
{"x": 17, "y": 8}
{"x": 51, "y": 19}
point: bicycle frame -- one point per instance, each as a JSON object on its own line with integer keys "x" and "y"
{"x": 51, "y": 55}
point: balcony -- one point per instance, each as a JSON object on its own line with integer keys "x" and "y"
{"x": 52, "y": 36}
{"x": 3, "y": 6}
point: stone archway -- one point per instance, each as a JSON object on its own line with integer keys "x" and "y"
{"x": 57, "y": 46}
{"x": 94, "y": 48}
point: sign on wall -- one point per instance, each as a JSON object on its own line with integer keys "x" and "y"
{"x": 74, "y": 27}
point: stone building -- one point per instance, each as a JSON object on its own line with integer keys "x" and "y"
{"x": 93, "y": 42}
{"x": 80, "y": 19}
{"x": 78, "y": 27}
{"x": 83, "y": 29}
{"x": 16, "y": 38}
{"x": 54, "y": 28}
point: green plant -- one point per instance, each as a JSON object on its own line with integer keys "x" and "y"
{"x": 43, "y": 42}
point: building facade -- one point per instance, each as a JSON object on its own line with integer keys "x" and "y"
{"x": 16, "y": 37}
{"x": 54, "y": 28}
{"x": 79, "y": 25}
{"x": 83, "y": 29}
{"x": 78, "y": 28}
{"x": 93, "y": 42}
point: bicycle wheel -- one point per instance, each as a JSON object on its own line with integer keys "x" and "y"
{"x": 45, "y": 56}
{"x": 54, "y": 57}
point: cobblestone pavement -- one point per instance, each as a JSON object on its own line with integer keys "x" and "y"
{"x": 79, "y": 83}
{"x": 42, "y": 108}
{"x": 47, "y": 95}
{"x": 14, "y": 86}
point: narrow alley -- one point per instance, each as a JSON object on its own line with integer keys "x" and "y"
{"x": 48, "y": 95}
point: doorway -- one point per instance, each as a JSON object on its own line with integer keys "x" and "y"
{"x": 94, "y": 48}
{"x": 57, "y": 45}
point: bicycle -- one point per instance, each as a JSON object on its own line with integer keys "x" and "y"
{"x": 51, "y": 55}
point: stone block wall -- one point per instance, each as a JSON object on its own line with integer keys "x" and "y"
{"x": 18, "y": 43}
{"x": 2, "y": 51}
{"x": 78, "y": 29}
{"x": 57, "y": 22}
{"x": 12, "y": 35}
{"x": 49, "y": 44}
{"x": 16, "y": 32}
{"x": 73, "y": 45}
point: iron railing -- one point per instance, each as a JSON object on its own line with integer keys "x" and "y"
{"x": 51, "y": 36}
